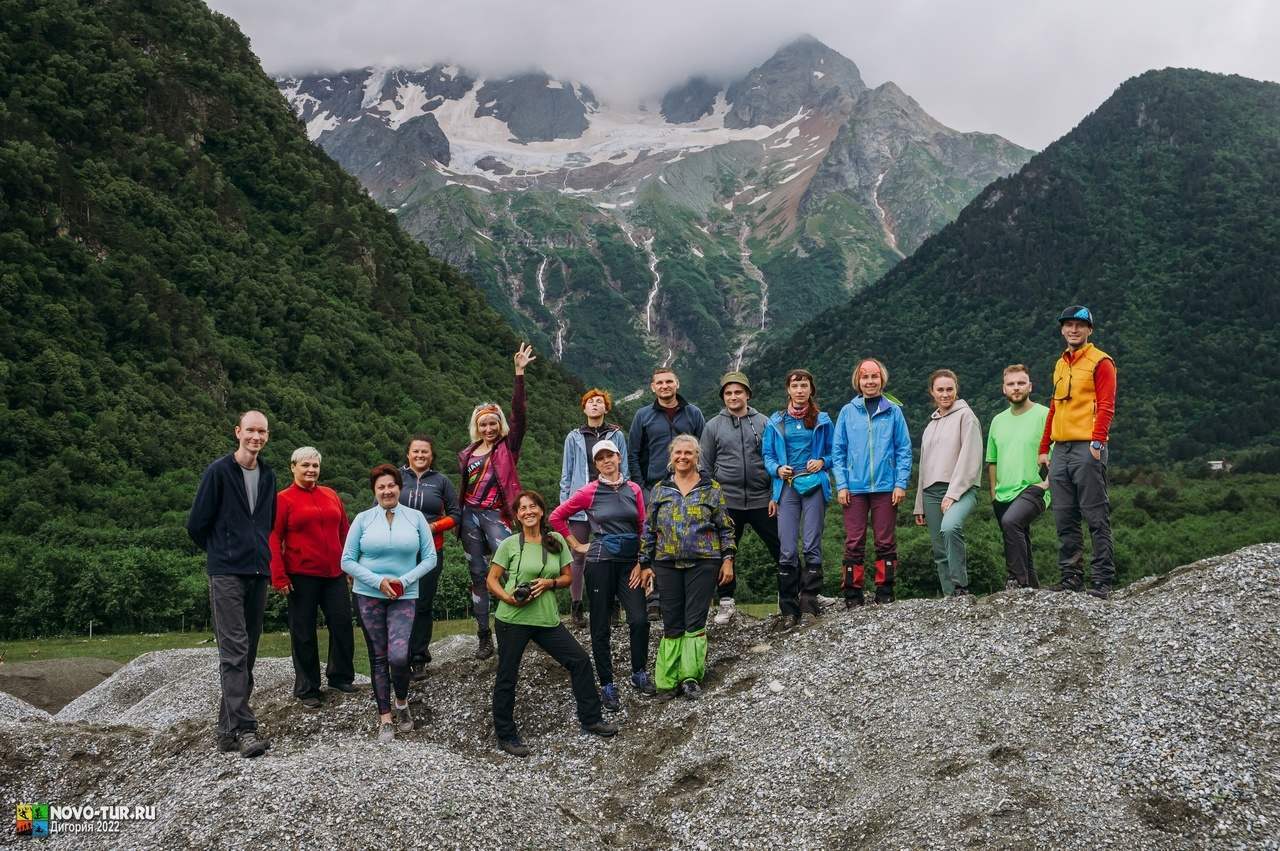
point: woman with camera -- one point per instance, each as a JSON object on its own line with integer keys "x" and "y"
{"x": 389, "y": 548}
{"x": 526, "y": 568}
{"x": 688, "y": 543}
{"x": 614, "y": 508}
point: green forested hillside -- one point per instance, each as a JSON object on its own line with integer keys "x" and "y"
{"x": 173, "y": 250}
{"x": 1160, "y": 212}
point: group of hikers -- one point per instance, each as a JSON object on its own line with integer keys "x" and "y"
{"x": 648, "y": 522}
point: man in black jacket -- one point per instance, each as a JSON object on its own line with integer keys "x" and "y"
{"x": 231, "y": 521}
{"x": 649, "y": 441}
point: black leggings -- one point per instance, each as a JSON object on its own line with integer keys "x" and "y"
{"x": 604, "y": 580}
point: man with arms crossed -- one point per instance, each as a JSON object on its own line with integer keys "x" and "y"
{"x": 1084, "y": 402}
{"x": 231, "y": 521}
{"x": 1018, "y": 488}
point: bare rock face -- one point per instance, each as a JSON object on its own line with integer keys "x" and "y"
{"x": 1019, "y": 720}
{"x": 535, "y": 107}
{"x": 805, "y": 73}
{"x": 691, "y": 101}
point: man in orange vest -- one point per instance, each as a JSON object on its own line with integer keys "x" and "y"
{"x": 1084, "y": 401}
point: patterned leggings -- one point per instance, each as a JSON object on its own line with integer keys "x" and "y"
{"x": 387, "y": 626}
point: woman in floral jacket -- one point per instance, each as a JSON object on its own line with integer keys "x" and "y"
{"x": 688, "y": 546}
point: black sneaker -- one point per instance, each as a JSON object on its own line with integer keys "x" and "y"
{"x": 652, "y": 608}
{"x": 418, "y": 672}
{"x": 576, "y": 615}
{"x": 609, "y": 697}
{"x": 666, "y": 694}
{"x": 311, "y": 701}
{"x": 961, "y": 591}
{"x": 1100, "y": 590}
{"x": 1074, "y": 586}
{"x": 515, "y": 747}
{"x": 600, "y": 728}
{"x": 884, "y": 595}
{"x": 854, "y": 600}
{"x": 691, "y": 689}
{"x": 484, "y": 645}
{"x": 345, "y": 688}
{"x": 251, "y": 745}
{"x": 228, "y": 742}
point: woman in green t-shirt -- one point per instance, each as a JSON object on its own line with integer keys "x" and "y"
{"x": 525, "y": 567}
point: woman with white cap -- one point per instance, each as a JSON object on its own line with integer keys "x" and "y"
{"x": 614, "y": 508}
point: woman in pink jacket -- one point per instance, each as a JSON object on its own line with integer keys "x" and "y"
{"x": 950, "y": 465}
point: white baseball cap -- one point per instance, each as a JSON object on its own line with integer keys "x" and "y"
{"x": 605, "y": 446}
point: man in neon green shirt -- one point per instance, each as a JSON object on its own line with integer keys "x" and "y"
{"x": 1019, "y": 493}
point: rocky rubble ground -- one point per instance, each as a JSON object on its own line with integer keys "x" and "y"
{"x": 1019, "y": 720}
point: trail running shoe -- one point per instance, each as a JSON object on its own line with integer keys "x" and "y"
{"x": 404, "y": 719}
{"x": 601, "y": 728}
{"x": 725, "y": 612}
{"x": 252, "y": 746}
{"x": 609, "y": 697}
{"x": 643, "y": 683}
{"x": 386, "y": 733}
{"x": 515, "y": 747}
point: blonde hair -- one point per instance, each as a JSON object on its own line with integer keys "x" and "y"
{"x": 684, "y": 438}
{"x": 304, "y": 453}
{"x": 483, "y": 410}
{"x": 884, "y": 373}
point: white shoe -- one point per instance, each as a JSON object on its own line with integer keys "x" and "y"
{"x": 725, "y": 613}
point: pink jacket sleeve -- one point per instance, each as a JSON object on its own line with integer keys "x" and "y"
{"x": 639, "y": 492}
{"x": 579, "y": 501}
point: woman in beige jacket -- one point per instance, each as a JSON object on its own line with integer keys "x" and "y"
{"x": 950, "y": 465}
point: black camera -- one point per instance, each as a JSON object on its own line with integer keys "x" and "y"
{"x": 523, "y": 591}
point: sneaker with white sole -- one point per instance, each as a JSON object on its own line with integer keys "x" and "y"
{"x": 725, "y": 613}
{"x": 386, "y": 733}
{"x": 404, "y": 719}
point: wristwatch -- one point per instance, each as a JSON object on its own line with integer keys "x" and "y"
{"x": 1095, "y": 444}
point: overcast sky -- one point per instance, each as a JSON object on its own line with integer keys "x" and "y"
{"x": 1027, "y": 70}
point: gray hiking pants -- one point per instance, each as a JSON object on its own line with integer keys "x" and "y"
{"x": 1078, "y": 490}
{"x": 238, "y": 603}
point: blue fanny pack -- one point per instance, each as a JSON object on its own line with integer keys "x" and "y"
{"x": 619, "y": 545}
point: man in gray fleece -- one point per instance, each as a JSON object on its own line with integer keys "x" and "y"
{"x": 731, "y": 453}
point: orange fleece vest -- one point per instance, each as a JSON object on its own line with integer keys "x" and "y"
{"x": 1075, "y": 401}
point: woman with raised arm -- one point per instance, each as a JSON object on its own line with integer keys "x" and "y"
{"x": 527, "y": 569}
{"x": 490, "y": 487}
{"x": 614, "y": 508}
{"x": 688, "y": 543}
{"x": 950, "y": 467}
{"x": 797, "y": 455}
{"x": 577, "y": 468}
{"x": 431, "y": 492}
{"x": 389, "y": 548}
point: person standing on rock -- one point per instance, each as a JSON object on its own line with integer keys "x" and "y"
{"x": 732, "y": 452}
{"x": 615, "y": 511}
{"x": 429, "y": 491}
{"x": 231, "y": 520}
{"x": 871, "y": 459}
{"x": 797, "y": 455}
{"x": 688, "y": 543}
{"x": 527, "y": 569}
{"x": 1077, "y": 428}
{"x": 950, "y": 469}
{"x": 577, "y": 468}
{"x": 1019, "y": 491}
{"x": 388, "y": 550}
{"x": 490, "y": 485}
{"x": 652, "y": 430}
{"x": 306, "y": 566}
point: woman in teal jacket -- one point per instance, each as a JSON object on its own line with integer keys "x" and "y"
{"x": 871, "y": 457}
{"x": 797, "y": 455}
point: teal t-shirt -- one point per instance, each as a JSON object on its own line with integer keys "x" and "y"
{"x": 533, "y": 563}
{"x": 1013, "y": 445}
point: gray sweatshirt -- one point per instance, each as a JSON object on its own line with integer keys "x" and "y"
{"x": 731, "y": 453}
{"x": 951, "y": 452}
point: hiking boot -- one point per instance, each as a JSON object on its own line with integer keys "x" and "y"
{"x": 404, "y": 719}
{"x": 609, "y": 697}
{"x": 725, "y": 613}
{"x": 386, "y": 733}
{"x": 418, "y": 672}
{"x": 1012, "y": 585}
{"x": 643, "y": 683}
{"x": 576, "y": 616}
{"x": 809, "y": 603}
{"x": 961, "y": 591}
{"x": 691, "y": 689}
{"x": 784, "y": 623}
{"x": 251, "y": 745}
{"x": 853, "y": 599}
{"x": 1075, "y": 585}
{"x": 484, "y": 644}
{"x": 601, "y": 728}
{"x": 806, "y": 619}
{"x": 228, "y": 742}
{"x": 652, "y": 608}
{"x": 515, "y": 747}
{"x": 666, "y": 694}
{"x": 311, "y": 701}
{"x": 345, "y": 688}
{"x": 1100, "y": 590}
{"x": 884, "y": 595}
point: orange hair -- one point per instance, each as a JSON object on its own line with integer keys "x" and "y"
{"x": 603, "y": 394}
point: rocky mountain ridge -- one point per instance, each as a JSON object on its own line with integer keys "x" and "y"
{"x": 640, "y": 216}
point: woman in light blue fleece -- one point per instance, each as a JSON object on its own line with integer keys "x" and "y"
{"x": 388, "y": 549}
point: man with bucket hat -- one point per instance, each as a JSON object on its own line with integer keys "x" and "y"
{"x": 1077, "y": 427}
